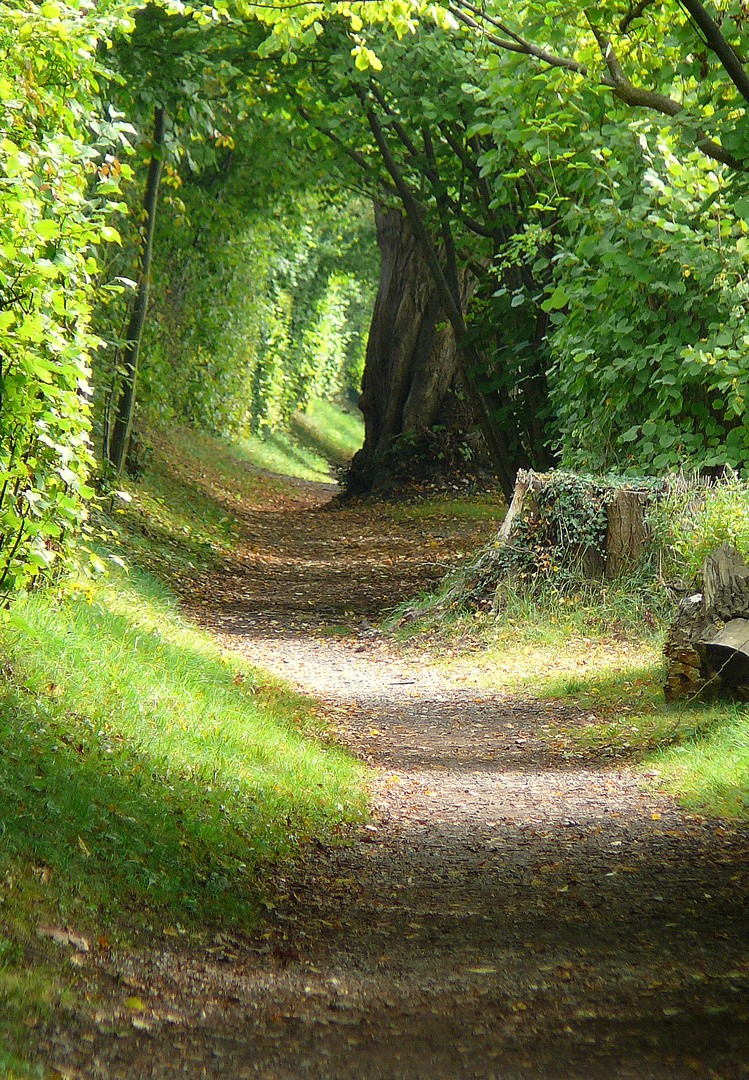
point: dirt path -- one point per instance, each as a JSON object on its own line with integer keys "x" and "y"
{"x": 505, "y": 914}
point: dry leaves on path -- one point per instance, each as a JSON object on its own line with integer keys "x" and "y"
{"x": 508, "y": 912}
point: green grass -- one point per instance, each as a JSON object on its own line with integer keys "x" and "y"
{"x": 708, "y": 766}
{"x": 553, "y": 616}
{"x": 143, "y": 767}
{"x": 328, "y": 431}
{"x": 320, "y": 439}
{"x": 605, "y": 662}
{"x": 185, "y": 514}
{"x": 146, "y": 775}
{"x": 598, "y": 650}
{"x": 699, "y": 751}
{"x": 482, "y": 506}
{"x": 13, "y": 1068}
{"x": 280, "y": 452}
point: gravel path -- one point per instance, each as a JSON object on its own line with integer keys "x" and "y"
{"x": 507, "y": 913}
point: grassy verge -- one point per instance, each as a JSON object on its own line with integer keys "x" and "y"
{"x": 142, "y": 769}
{"x": 600, "y": 654}
{"x": 325, "y": 430}
{"x": 320, "y": 439}
{"x": 145, "y": 775}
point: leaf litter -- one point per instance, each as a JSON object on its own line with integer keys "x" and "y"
{"x": 508, "y": 911}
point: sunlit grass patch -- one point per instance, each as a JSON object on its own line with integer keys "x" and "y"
{"x": 588, "y": 671}
{"x": 184, "y": 514}
{"x": 551, "y": 616}
{"x": 280, "y": 452}
{"x": 143, "y": 771}
{"x": 328, "y": 431}
{"x": 708, "y": 767}
{"x": 220, "y": 463}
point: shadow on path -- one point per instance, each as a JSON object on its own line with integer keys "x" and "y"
{"x": 505, "y": 914}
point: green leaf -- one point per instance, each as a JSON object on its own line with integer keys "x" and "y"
{"x": 630, "y": 435}
{"x": 46, "y": 229}
{"x": 110, "y": 234}
{"x": 557, "y": 300}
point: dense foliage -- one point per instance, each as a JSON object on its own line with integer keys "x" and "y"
{"x": 268, "y": 311}
{"x": 56, "y": 196}
{"x": 576, "y": 183}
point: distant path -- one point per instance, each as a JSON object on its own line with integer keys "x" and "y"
{"x": 504, "y": 915}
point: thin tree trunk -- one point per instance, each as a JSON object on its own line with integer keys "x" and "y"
{"x": 118, "y": 441}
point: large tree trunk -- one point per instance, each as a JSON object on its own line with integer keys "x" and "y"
{"x": 411, "y": 371}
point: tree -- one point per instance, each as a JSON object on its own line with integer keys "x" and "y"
{"x": 177, "y": 77}
{"x": 117, "y": 434}
{"x": 406, "y": 128}
{"x": 648, "y": 311}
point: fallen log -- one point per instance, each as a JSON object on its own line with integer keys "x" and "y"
{"x": 707, "y": 645}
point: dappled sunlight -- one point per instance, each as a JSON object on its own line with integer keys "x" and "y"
{"x": 546, "y": 668}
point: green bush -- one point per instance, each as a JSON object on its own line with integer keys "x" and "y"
{"x": 55, "y": 197}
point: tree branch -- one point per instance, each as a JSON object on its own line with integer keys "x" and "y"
{"x": 496, "y": 441}
{"x": 723, "y": 49}
{"x": 636, "y": 96}
{"x": 634, "y": 12}
{"x": 355, "y": 156}
{"x": 443, "y": 205}
{"x": 615, "y": 81}
{"x": 394, "y": 123}
{"x": 430, "y": 169}
{"x": 415, "y": 217}
{"x": 517, "y": 43}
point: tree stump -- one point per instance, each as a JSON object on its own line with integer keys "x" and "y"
{"x": 707, "y": 645}
{"x": 623, "y": 537}
{"x": 626, "y": 530}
